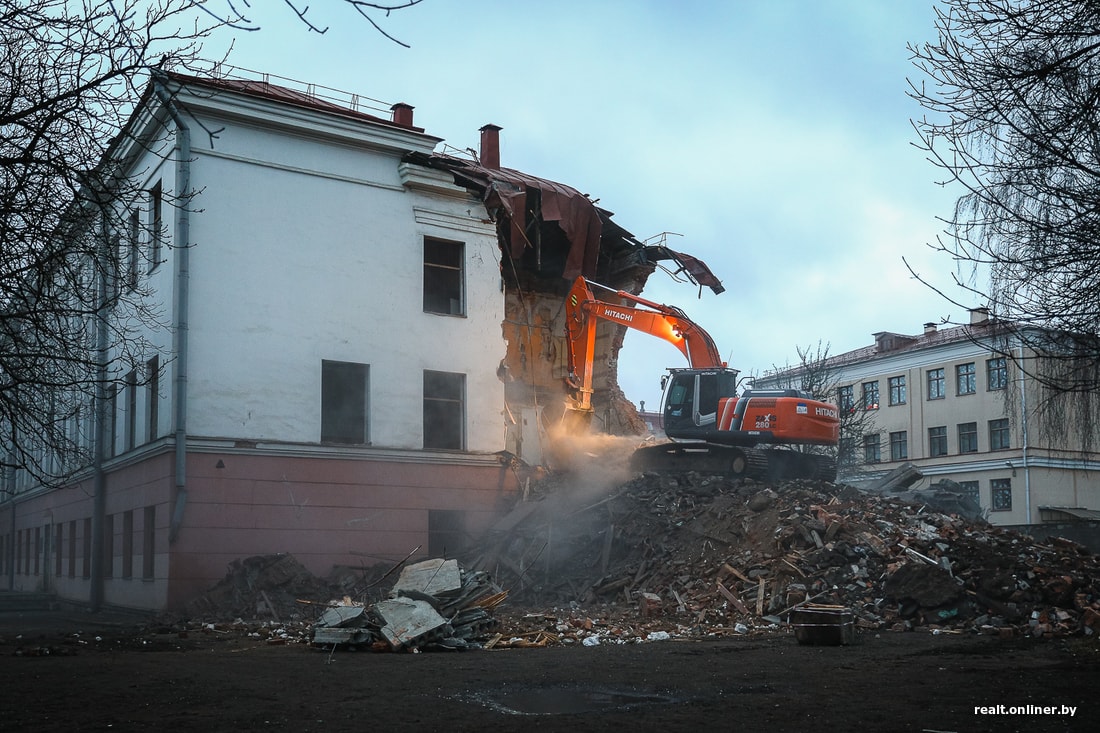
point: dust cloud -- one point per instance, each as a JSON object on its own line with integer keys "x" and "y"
{"x": 590, "y": 467}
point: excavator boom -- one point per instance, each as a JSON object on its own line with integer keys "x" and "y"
{"x": 583, "y": 310}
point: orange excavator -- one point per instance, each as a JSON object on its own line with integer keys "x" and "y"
{"x": 709, "y": 425}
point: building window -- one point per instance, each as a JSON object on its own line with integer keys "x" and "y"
{"x": 935, "y": 384}
{"x": 937, "y": 441}
{"x": 966, "y": 378}
{"x": 845, "y": 399}
{"x": 1000, "y": 490}
{"x": 152, "y": 396}
{"x": 344, "y": 402}
{"x": 148, "y": 543}
{"x": 870, "y": 395}
{"x": 72, "y": 549}
{"x": 897, "y": 390}
{"x": 133, "y": 256}
{"x": 110, "y": 421}
{"x": 443, "y": 278}
{"x": 128, "y": 544}
{"x": 446, "y": 532}
{"x": 997, "y": 373}
{"x": 86, "y": 546}
{"x": 846, "y": 450}
{"x": 899, "y": 445}
{"x": 131, "y": 409}
{"x": 109, "y": 546}
{"x": 871, "y": 451}
{"x": 444, "y": 410}
{"x": 156, "y": 224}
{"x": 968, "y": 437}
{"x": 58, "y": 550}
{"x": 998, "y": 434}
{"x": 970, "y": 491}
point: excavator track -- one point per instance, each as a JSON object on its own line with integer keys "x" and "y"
{"x": 770, "y": 465}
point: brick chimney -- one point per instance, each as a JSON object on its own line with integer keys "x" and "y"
{"x": 402, "y": 114}
{"x": 979, "y": 316}
{"x": 929, "y": 328}
{"x": 490, "y": 146}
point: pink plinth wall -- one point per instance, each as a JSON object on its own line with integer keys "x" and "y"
{"x": 325, "y": 511}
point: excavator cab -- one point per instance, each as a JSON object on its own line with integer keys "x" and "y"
{"x": 693, "y": 398}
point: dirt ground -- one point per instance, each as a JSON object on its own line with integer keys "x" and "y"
{"x": 67, "y": 671}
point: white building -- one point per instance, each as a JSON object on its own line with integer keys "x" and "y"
{"x": 954, "y": 403}
{"x": 326, "y": 375}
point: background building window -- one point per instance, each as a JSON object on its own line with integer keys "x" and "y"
{"x": 970, "y": 491}
{"x": 897, "y": 390}
{"x": 871, "y": 451}
{"x": 156, "y": 224}
{"x": 846, "y": 450}
{"x": 133, "y": 257}
{"x": 899, "y": 445}
{"x": 935, "y": 384}
{"x": 1001, "y": 494}
{"x": 998, "y": 434}
{"x": 996, "y": 371}
{"x": 968, "y": 437}
{"x": 131, "y": 409}
{"x": 344, "y": 390}
{"x": 966, "y": 379}
{"x": 870, "y": 395}
{"x": 845, "y": 399}
{"x": 937, "y": 441}
{"x": 444, "y": 410}
{"x": 443, "y": 278}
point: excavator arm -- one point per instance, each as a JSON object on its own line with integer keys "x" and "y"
{"x": 583, "y": 310}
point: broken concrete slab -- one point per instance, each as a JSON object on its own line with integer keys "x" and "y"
{"x": 432, "y": 577}
{"x": 408, "y": 622}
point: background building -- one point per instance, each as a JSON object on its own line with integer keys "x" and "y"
{"x": 962, "y": 404}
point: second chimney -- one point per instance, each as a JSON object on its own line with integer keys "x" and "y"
{"x": 490, "y": 146}
{"x": 402, "y": 114}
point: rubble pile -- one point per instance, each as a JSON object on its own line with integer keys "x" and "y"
{"x": 262, "y": 586}
{"x": 713, "y": 555}
{"x": 434, "y": 604}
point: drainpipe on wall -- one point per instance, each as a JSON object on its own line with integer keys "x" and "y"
{"x": 99, "y": 431}
{"x": 183, "y": 277}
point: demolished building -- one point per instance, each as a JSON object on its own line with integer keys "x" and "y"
{"x": 359, "y": 336}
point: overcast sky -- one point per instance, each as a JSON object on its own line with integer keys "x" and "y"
{"x": 773, "y": 135}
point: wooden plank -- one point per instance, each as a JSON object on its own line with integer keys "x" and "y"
{"x": 760, "y": 598}
{"x": 733, "y": 599}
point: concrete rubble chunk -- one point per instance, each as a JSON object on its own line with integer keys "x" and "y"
{"x": 435, "y": 577}
{"x": 434, "y": 604}
{"x": 341, "y": 616}
{"x": 406, "y": 622}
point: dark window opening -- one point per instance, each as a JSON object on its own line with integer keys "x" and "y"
{"x": 344, "y": 390}
{"x": 446, "y": 533}
{"x": 443, "y": 277}
{"x": 444, "y": 410}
